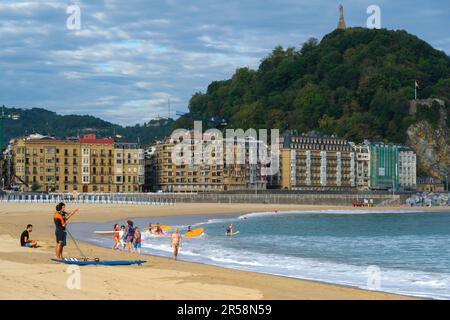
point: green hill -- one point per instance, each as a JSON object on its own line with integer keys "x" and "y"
{"x": 42, "y": 121}
{"x": 356, "y": 83}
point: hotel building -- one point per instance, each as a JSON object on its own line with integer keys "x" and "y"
{"x": 316, "y": 162}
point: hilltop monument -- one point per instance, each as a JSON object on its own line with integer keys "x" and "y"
{"x": 341, "y": 24}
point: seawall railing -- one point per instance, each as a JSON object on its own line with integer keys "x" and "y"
{"x": 164, "y": 199}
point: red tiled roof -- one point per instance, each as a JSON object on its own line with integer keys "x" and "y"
{"x": 101, "y": 141}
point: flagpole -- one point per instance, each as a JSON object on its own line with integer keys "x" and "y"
{"x": 415, "y": 90}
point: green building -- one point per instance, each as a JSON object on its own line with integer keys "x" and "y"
{"x": 384, "y": 160}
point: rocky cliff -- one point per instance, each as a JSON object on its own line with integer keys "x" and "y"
{"x": 432, "y": 145}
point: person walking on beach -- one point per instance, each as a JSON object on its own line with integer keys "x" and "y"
{"x": 60, "y": 218}
{"x": 175, "y": 242}
{"x": 121, "y": 243}
{"x": 137, "y": 240}
{"x": 25, "y": 240}
{"x": 129, "y": 235}
{"x": 116, "y": 236}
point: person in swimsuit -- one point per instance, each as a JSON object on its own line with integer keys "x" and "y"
{"x": 175, "y": 242}
{"x": 137, "y": 240}
{"x": 116, "y": 236}
{"x": 60, "y": 218}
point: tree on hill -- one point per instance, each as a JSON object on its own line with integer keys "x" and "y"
{"x": 356, "y": 83}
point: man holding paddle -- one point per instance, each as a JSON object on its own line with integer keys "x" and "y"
{"x": 60, "y": 218}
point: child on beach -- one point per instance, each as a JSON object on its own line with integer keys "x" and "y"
{"x": 129, "y": 235}
{"x": 175, "y": 242}
{"x": 137, "y": 240}
{"x": 116, "y": 236}
{"x": 121, "y": 238}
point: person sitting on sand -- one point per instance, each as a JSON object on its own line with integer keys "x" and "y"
{"x": 137, "y": 240}
{"x": 25, "y": 240}
{"x": 60, "y": 218}
{"x": 175, "y": 242}
{"x": 129, "y": 234}
{"x": 116, "y": 236}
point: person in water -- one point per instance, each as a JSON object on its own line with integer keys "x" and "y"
{"x": 150, "y": 228}
{"x": 129, "y": 235}
{"x": 175, "y": 242}
{"x": 116, "y": 236}
{"x": 189, "y": 229}
{"x": 229, "y": 231}
{"x": 159, "y": 230}
{"x": 137, "y": 240}
{"x": 60, "y": 218}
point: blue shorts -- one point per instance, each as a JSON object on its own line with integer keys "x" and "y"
{"x": 61, "y": 236}
{"x": 28, "y": 245}
{"x": 137, "y": 245}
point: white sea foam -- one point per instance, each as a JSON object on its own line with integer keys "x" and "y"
{"x": 338, "y": 212}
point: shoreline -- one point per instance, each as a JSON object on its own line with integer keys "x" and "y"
{"x": 182, "y": 279}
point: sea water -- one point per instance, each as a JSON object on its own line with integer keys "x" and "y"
{"x": 394, "y": 251}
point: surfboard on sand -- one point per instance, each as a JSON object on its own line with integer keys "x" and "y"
{"x": 232, "y": 234}
{"x": 100, "y": 263}
{"x": 194, "y": 233}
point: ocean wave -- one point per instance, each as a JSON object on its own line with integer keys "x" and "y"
{"x": 330, "y": 211}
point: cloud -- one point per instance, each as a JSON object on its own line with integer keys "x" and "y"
{"x": 130, "y": 57}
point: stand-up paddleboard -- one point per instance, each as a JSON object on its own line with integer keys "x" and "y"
{"x": 154, "y": 235}
{"x": 232, "y": 234}
{"x": 100, "y": 263}
{"x": 194, "y": 233}
{"x": 165, "y": 228}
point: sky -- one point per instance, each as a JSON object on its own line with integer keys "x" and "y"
{"x": 128, "y": 58}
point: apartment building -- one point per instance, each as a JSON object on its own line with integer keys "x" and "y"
{"x": 313, "y": 161}
{"x": 129, "y": 167}
{"x": 407, "y": 168}
{"x": 209, "y": 169}
{"x": 362, "y": 165}
{"x": 87, "y": 164}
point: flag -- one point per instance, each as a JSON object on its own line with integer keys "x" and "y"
{"x": 417, "y": 85}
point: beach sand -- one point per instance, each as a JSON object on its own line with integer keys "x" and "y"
{"x": 29, "y": 274}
